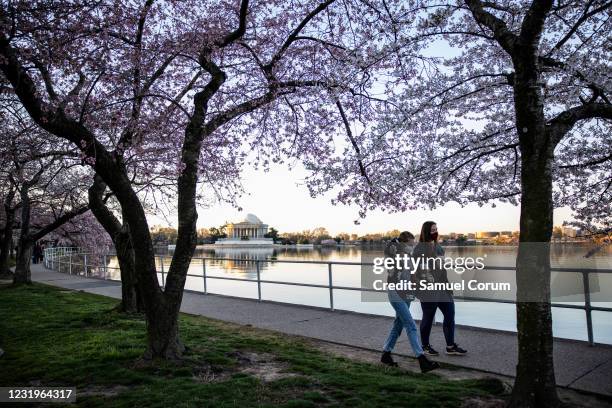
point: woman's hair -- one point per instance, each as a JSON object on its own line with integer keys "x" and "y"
{"x": 426, "y": 231}
{"x": 405, "y": 235}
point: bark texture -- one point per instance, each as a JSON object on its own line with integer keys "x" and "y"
{"x": 131, "y": 299}
{"x": 24, "y": 249}
{"x": 6, "y": 236}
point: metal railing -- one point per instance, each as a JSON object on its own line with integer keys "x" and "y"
{"x": 76, "y": 262}
{"x": 54, "y": 259}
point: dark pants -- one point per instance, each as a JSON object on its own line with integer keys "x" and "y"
{"x": 448, "y": 326}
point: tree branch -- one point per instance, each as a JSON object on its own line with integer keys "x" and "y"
{"x": 296, "y": 32}
{"x": 533, "y": 23}
{"x": 502, "y": 34}
{"x": 58, "y": 223}
{"x": 585, "y": 16}
{"x": 349, "y": 133}
{"x": 239, "y": 32}
{"x": 561, "y": 124}
{"x": 99, "y": 209}
{"x": 588, "y": 163}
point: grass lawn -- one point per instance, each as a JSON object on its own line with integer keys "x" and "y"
{"x": 53, "y": 337}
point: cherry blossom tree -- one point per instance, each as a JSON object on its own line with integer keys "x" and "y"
{"x": 510, "y": 103}
{"x": 85, "y": 232}
{"x": 47, "y": 179}
{"x": 25, "y": 144}
{"x": 181, "y": 89}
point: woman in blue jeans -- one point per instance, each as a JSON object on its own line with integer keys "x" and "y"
{"x": 400, "y": 301}
{"x": 431, "y": 301}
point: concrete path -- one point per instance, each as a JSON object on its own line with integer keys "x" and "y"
{"x": 577, "y": 365}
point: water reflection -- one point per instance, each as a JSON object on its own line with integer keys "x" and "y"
{"x": 240, "y": 261}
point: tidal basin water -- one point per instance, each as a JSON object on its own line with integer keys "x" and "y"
{"x": 566, "y": 287}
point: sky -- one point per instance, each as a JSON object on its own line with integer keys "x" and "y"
{"x": 281, "y": 200}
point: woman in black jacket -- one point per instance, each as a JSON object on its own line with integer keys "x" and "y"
{"x": 429, "y": 249}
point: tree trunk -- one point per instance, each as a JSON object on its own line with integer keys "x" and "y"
{"x": 161, "y": 309}
{"x": 131, "y": 298}
{"x": 535, "y": 384}
{"x": 22, "y": 265}
{"x": 535, "y": 377}
{"x": 24, "y": 251}
{"x": 5, "y": 245}
{"x": 162, "y": 332}
{"x": 161, "y": 314}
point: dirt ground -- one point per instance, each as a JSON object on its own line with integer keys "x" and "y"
{"x": 571, "y": 397}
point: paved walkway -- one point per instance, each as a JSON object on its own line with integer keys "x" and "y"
{"x": 577, "y": 365}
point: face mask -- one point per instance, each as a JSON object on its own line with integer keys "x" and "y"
{"x": 434, "y": 236}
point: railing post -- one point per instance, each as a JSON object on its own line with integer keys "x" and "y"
{"x": 587, "y": 306}
{"x": 162, "y": 271}
{"x": 204, "y": 273}
{"x": 331, "y": 286}
{"x": 258, "y": 280}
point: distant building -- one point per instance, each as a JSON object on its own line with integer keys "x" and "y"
{"x": 248, "y": 232}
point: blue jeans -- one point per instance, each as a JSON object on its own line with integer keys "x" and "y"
{"x": 403, "y": 320}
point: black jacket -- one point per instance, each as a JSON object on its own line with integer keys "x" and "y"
{"x": 434, "y": 274}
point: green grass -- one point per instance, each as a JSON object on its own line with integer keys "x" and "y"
{"x": 62, "y": 338}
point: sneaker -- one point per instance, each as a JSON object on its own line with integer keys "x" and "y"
{"x": 387, "y": 359}
{"x": 430, "y": 351}
{"x": 427, "y": 365}
{"x": 455, "y": 350}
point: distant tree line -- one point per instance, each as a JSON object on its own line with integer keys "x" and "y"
{"x": 168, "y": 236}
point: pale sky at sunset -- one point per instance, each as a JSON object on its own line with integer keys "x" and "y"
{"x": 277, "y": 199}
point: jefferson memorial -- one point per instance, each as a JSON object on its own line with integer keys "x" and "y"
{"x": 248, "y": 232}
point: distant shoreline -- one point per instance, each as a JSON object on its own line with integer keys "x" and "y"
{"x": 371, "y": 244}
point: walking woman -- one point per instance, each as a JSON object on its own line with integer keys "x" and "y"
{"x": 400, "y": 300}
{"x": 429, "y": 249}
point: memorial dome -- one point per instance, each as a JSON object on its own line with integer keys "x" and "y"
{"x": 252, "y": 219}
